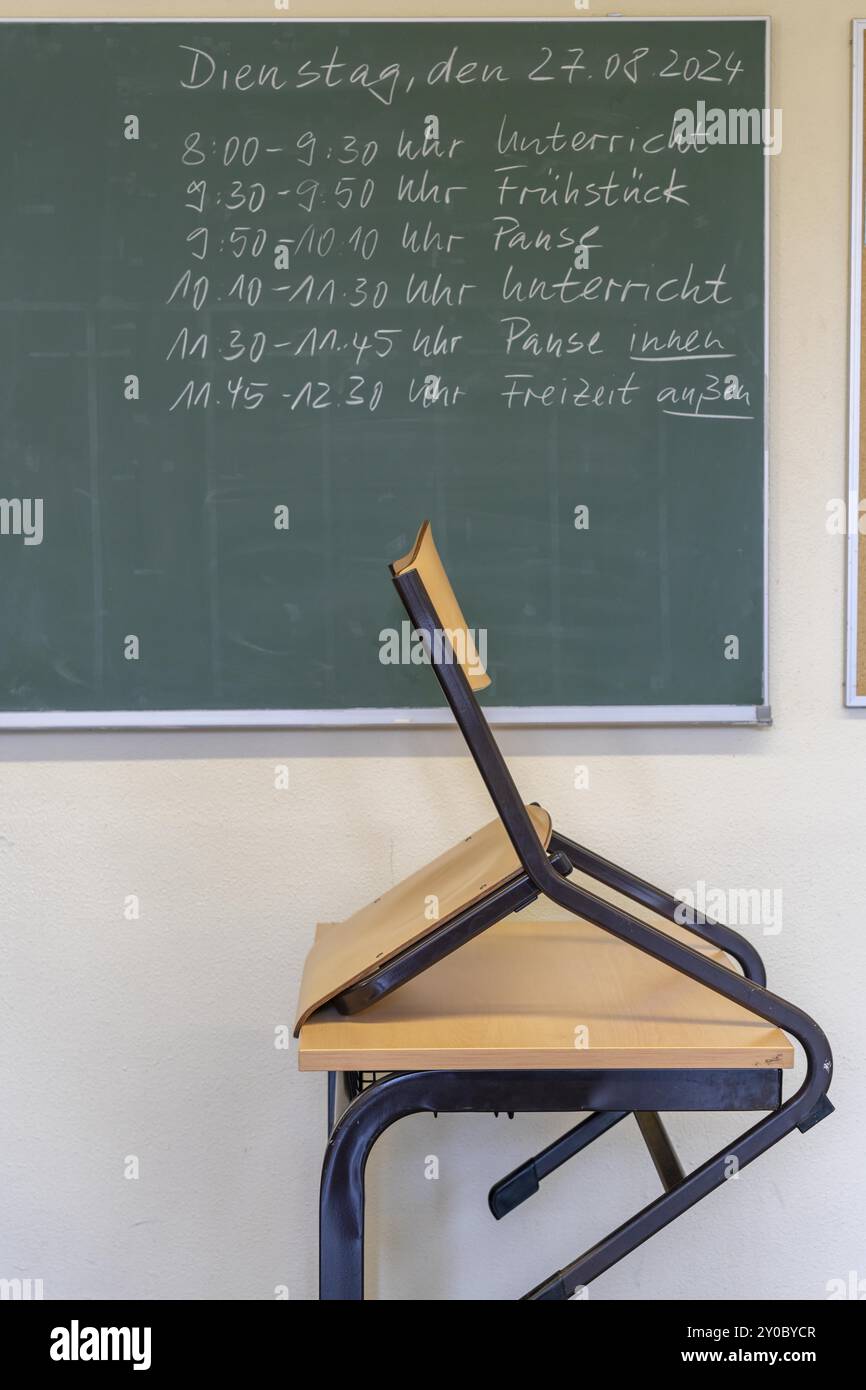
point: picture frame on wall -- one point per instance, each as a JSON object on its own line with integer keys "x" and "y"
{"x": 855, "y": 674}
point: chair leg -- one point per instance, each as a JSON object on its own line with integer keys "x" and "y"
{"x": 523, "y": 1182}
{"x": 676, "y": 1200}
{"x": 662, "y": 902}
{"x": 662, "y": 1151}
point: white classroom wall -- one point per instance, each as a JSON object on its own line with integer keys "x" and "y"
{"x": 155, "y": 1037}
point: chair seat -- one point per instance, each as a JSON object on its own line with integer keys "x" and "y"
{"x": 411, "y": 910}
{"x": 536, "y": 995}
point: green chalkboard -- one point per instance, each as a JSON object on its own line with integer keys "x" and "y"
{"x": 273, "y": 292}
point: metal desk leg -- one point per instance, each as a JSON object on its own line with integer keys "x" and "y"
{"x": 341, "y": 1210}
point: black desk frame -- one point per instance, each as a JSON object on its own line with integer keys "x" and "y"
{"x": 608, "y": 1095}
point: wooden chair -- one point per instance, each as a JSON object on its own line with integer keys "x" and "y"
{"x": 436, "y": 997}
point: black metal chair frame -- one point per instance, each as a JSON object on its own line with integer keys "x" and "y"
{"x": 608, "y": 1095}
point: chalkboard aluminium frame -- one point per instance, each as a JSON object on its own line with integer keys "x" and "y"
{"x": 855, "y": 656}
{"x": 501, "y": 716}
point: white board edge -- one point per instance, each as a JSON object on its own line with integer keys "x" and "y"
{"x": 555, "y": 716}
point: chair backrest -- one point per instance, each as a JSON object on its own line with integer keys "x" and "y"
{"x": 472, "y": 873}
{"x": 428, "y": 598}
{"x": 423, "y": 559}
